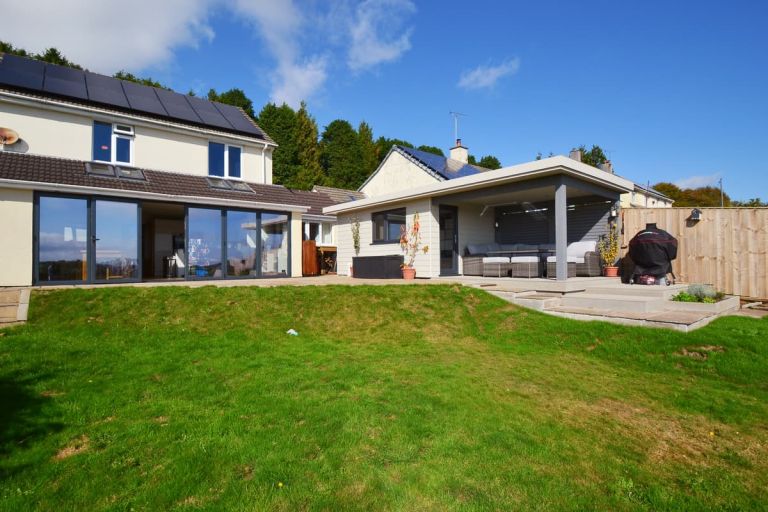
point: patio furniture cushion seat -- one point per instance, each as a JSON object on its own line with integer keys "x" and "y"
{"x": 525, "y": 259}
{"x": 495, "y": 259}
{"x": 569, "y": 259}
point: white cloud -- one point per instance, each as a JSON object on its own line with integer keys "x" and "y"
{"x": 106, "y": 36}
{"x": 280, "y": 24}
{"x": 377, "y": 33}
{"x": 485, "y": 77}
{"x": 698, "y": 181}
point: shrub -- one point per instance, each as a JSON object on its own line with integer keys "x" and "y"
{"x": 699, "y": 293}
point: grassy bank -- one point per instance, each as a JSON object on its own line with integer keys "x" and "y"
{"x": 409, "y": 397}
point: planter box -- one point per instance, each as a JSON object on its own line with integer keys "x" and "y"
{"x": 729, "y": 303}
{"x": 378, "y": 267}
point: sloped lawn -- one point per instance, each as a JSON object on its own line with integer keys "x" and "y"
{"x": 390, "y": 398}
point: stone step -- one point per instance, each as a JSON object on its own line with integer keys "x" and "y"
{"x": 613, "y": 302}
{"x": 9, "y": 296}
{"x": 662, "y": 292}
{"x": 8, "y": 313}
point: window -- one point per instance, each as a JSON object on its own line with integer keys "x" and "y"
{"x": 204, "y": 242}
{"x": 62, "y": 253}
{"x": 320, "y": 232}
{"x": 274, "y": 245}
{"x": 112, "y": 143}
{"x": 388, "y": 225}
{"x": 223, "y": 160}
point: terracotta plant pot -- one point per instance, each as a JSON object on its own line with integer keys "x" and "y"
{"x": 409, "y": 273}
{"x": 611, "y": 271}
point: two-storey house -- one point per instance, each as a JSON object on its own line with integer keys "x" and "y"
{"x": 103, "y": 180}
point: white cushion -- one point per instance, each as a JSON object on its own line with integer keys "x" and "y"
{"x": 495, "y": 259}
{"x": 580, "y": 248}
{"x": 569, "y": 259}
{"x": 525, "y": 259}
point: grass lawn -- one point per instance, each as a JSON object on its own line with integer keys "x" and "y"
{"x": 390, "y": 398}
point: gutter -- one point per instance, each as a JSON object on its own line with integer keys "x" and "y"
{"x": 152, "y": 196}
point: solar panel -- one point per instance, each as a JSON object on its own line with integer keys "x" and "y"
{"x": 65, "y": 81}
{"x": 143, "y": 98}
{"x": 20, "y": 72}
{"x": 237, "y": 119}
{"x": 177, "y": 105}
{"x": 106, "y": 90}
{"x": 208, "y": 113}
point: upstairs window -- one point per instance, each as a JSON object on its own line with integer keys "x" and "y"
{"x": 388, "y": 225}
{"x": 224, "y": 161}
{"x": 112, "y": 143}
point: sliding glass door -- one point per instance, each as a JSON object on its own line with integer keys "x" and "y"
{"x": 274, "y": 245}
{"x": 116, "y": 241}
{"x": 242, "y": 244}
{"x": 62, "y": 240}
{"x": 204, "y": 243}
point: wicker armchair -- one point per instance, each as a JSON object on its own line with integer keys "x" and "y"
{"x": 583, "y": 256}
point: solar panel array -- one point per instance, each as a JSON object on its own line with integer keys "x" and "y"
{"x": 64, "y": 82}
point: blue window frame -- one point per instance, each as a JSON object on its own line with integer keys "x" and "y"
{"x": 234, "y": 162}
{"x": 102, "y": 141}
{"x": 216, "y": 159}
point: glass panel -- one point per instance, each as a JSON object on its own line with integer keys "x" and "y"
{"x": 204, "y": 243}
{"x": 242, "y": 237}
{"x": 102, "y": 141}
{"x": 215, "y": 159}
{"x": 327, "y": 239}
{"x": 63, "y": 237}
{"x": 117, "y": 242}
{"x": 274, "y": 244}
{"x": 123, "y": 150}
{"x": 234, "y": 162}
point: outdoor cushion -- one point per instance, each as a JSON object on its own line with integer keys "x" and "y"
{"x": 495, "y": 259}
{"x": 569, "y": 259}
{"x": 546, "y": 247}
{"x": 508, "y": 247}
{"x": 475, "y": 249}
{"x": 582, "y": 247}
{"x": 525, "y": 259}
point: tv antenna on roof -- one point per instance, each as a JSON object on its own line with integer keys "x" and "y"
{"x": 456, "y": 123}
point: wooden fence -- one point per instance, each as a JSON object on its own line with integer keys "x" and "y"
{"x": 727, "y": 248}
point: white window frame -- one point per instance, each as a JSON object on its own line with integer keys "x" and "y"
{"x": 118, "y": 133}
{"x": 226, "y": 160}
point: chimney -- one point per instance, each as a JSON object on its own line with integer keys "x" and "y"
{"x": 575, "y": 154}
{"x": 459, "y": 152}
{"x": 607, "y": 166}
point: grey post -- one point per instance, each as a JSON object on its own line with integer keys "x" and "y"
{"x": 561, "y": 231}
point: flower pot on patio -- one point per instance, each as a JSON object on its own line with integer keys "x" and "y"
{"x": 611, "y": 271}
{"x": 409, "y": 273}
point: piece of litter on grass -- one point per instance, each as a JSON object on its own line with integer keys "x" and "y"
{"x": 292, "y": 332}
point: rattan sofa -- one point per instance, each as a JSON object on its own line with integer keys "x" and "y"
{"x": 584, "y": 255}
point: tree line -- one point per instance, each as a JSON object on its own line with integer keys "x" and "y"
{"x": 341, "y": 156}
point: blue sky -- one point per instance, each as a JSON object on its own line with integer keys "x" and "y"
{"x": 675, "y": 91}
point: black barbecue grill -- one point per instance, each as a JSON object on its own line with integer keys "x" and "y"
{"x": 651, "y": 252}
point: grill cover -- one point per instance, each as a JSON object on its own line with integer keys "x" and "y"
{"x": 652, "y": 251}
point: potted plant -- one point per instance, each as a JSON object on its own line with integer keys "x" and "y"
{"x": 355, "y": 242}
{"x": 608, "y": 247}
{"x": 410, "y": 243}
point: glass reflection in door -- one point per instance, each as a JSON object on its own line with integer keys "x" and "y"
{"x": 62, "y": 239}
{"x": 274, "y": 245}
{"x": 117, "y": 241}
{"x": 242, "y": 238}
{"x": 204, "y": 242}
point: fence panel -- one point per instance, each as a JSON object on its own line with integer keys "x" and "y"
{"x": 727, "y": 248}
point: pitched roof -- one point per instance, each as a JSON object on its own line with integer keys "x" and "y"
{"x": 339, "y": 195}
{"x": 59, "y": 171}
{"x": 445, "y": 168}
{"x": 41, "y": 80}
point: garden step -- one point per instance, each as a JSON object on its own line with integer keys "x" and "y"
{"x": 8, "y": 313}
{"x": 662, "y": 292}
{"x": 9, "y": 296}
{"x": 613, "y": 302}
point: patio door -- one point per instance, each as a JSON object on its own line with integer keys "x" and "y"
{"x": 449, "y": 240}
{"x": 116, "y": 240}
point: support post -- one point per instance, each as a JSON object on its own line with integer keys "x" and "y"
{"x": 561, "y": 231}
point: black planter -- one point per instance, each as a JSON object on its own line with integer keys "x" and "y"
{"x": 378, "y": 267}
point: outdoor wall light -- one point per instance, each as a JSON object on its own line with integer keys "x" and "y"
{"x": 695, "y": 215}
